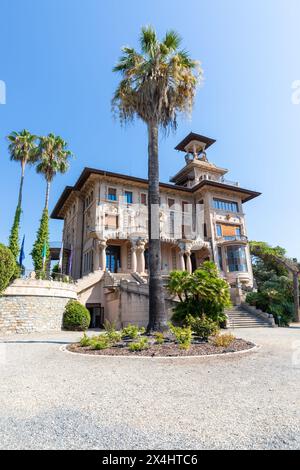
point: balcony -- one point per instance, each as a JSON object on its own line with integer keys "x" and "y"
{"x": 232, "y": 239}
{"x": 229, "y": 183}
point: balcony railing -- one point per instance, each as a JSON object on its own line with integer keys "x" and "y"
{"x": 229, "y": 183}
{"x": 233, "y": 238}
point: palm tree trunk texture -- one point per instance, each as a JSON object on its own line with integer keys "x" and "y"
{"x": 296, "y": 296}
{"x": 157, "y": 313}
{"x": 47, "y": 195}
{"x": 21, "y": 186}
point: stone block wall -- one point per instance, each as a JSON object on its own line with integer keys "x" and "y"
{"x": 29, "y": 306}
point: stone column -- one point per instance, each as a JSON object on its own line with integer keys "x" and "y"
{"x": 140, "y": 251}
{"x": 188, "y": 262}
{"x": 103, "y": 246}
{"x": 181, "y": 261}
{"x": 96, "y": 262}
{"x": 133, "y": 259}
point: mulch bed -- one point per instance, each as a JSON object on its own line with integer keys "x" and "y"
{"x": 168, "y": 349}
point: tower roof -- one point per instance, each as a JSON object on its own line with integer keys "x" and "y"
{"x": 201, "y": 140}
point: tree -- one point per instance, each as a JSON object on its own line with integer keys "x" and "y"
{"x": 22, "y": 148}
{"x": 53, "y": 157}
{"x": 277, "y": 279}
{"x": 201, "y": 294}
{"x": 7, "y": 267}
{"x": 42, "y": 242}
{"x": 14, "y": 244}
{"x": 157, "y": 83}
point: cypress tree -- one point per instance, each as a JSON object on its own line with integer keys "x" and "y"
{"x": 14, "y": 242}
{"x": 42, "y": 239}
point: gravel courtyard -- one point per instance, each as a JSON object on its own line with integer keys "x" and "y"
{"x": 52, "y": 399}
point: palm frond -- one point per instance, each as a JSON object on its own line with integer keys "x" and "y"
{"x": 148, "y": 40}
{"x": 172, "y": 40}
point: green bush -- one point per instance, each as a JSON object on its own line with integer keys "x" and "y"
{"x": 139, "y": 346}
{"x": 113, "y": 336}
{"x": 183, "y": 335}
{"x": 109, "y": 326}
{"x": 132, "y": 331}
{"x": 159, "y": 338}
{"x": 203, "y": 327}
{"x": 85, "y": 341}
{"x": 76, "y": 317}
{"x": 202, "y": 293}
{"x": 7, "y": 267}
{"x": 100, "y": 342}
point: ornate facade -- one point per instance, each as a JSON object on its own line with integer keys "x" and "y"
{"x": 201, "y": 217}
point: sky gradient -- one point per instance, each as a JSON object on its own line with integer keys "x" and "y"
{"x": 56, "y": 59}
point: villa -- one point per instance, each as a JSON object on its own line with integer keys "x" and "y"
{"x": 106, "y": 229}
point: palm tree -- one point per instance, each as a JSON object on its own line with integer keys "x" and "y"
{"x": 157, "y": 83}
{"x": 53, "y": 158}
{"x": 22, "y": 149}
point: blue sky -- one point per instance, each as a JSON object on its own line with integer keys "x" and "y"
{"x": 56, "y": 58}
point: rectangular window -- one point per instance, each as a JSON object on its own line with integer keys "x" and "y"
{"x": 112, "y": 194}
{"x": 236, "y": 259}
{"x": 219, "y": 230}
{"x": 111, "y": 222}
{"x": 144, "y": 199}
{"x": 228, "y": 206}
{"x": 220, "y": 259}
{"x": 128, "y": 197}
{"x": 172, "y": 224}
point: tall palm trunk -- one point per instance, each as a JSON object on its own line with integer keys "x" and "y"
{"x": 157, "y": 313}
{"x": 21, "y": 184}
{"x": 47, "y": 194}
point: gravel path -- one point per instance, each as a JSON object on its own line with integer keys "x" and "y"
{"x": 51, "y": 399}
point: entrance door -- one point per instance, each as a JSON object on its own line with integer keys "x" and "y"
{"x": 113, "y": 258}
{"x": 194, "y": 262}
{"x": 97, "y": 315}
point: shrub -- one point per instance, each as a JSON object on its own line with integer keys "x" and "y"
{"x": 76, "y": 317}
{"x": 132, "y": 331}
{"x": 203, "y": 327}
{"x": 139, "y": 346}
{"x": 224, "y": 340}
{"x": 7, "y": 267}
{"x": 159, "y": 338}
{"x": 113, "y": 336}
{"x": 183, "y": 335}
{"x": 109, "y": 326}
{"x": 100, "y": 342}
{"x": 85, "y": 341}
{"x": 202, "y": 293}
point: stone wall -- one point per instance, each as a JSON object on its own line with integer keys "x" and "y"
{"x": 29, "y": 306}
{"x": 129, "y": 303}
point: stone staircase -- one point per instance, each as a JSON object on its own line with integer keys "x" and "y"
{"x": 88, "y": 281}
{"x": 240, "y": 318}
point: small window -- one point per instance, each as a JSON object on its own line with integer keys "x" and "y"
{"x": 219, "y": 230}
{"x": 112, "y": 194}
{"x": 171, "y": 203}
{"x": 128, "y": 197}
{"x": 144, "y": 199}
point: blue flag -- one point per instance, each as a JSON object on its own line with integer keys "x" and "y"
{"x": 22, "y": 253}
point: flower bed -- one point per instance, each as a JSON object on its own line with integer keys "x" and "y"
{"x": 148, "y": 346}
